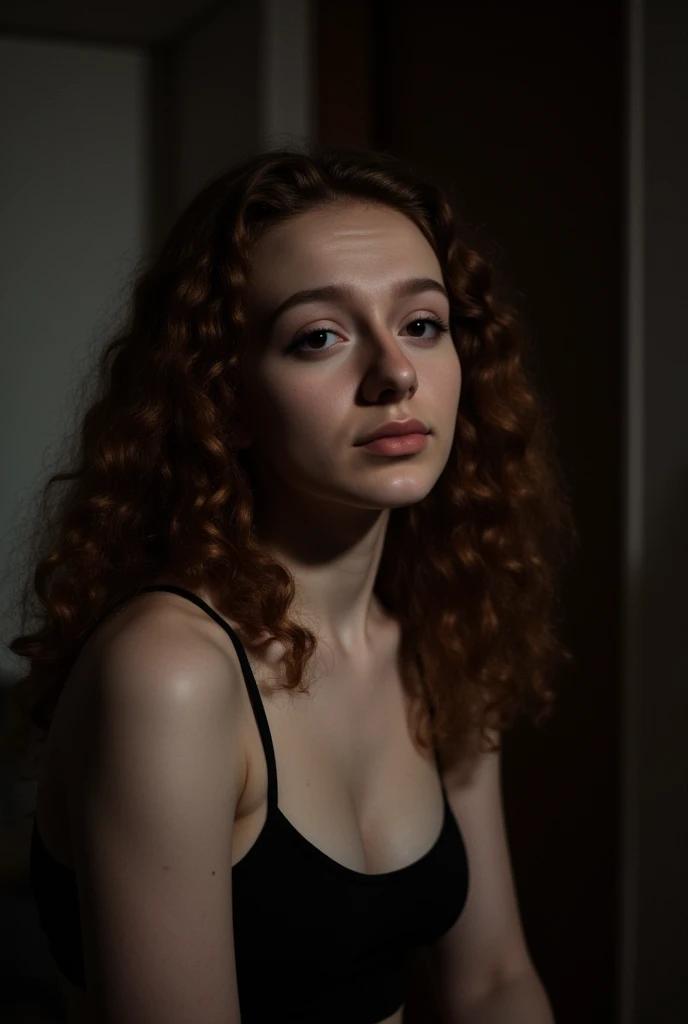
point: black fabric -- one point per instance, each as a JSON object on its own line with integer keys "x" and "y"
{"x": 314, "y": 939}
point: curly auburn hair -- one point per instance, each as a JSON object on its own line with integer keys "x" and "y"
{"x": 157, "y": 485}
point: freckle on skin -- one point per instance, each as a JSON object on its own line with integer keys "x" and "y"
{"x": 166, "y": 867}
{"x": 213, "y": 872}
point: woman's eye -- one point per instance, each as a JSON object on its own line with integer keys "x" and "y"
{"x": 438, "y": 325}
{"x": 317, "y": 336}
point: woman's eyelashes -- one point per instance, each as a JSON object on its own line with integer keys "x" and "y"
{"x": 439, "y": 326}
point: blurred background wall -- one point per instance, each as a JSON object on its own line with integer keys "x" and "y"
{"x": 561, "y": 130}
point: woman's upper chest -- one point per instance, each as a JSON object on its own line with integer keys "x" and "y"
{"x": 350, "y": 778}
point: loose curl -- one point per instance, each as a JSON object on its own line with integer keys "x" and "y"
{"x": 161, "y": 487}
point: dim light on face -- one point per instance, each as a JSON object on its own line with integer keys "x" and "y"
{"x": 347, "y": 330}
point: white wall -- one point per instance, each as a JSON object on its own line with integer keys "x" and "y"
{"x": 72, "y": 193}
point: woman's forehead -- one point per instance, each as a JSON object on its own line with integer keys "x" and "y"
{"x": 322, "y": 247}
{"x": 343, "y": 219}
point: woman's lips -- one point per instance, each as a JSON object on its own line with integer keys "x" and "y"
{"x": 402, "y": 444}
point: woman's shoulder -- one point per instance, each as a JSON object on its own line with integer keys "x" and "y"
{"x": 153, "y": 623}
{"x": 149, "y": 677}
{"x": 157, "y": 652}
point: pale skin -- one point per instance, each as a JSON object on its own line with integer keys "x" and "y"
{"x": 328, "y": 502}
{"x": 324, "y": 507}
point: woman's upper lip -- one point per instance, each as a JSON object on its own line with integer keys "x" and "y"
{"x": 395, "y": 428}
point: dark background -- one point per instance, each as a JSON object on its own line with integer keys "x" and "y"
{"x": 561, "y": 131}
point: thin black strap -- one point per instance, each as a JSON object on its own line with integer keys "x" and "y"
{"x": 249, "y": 678}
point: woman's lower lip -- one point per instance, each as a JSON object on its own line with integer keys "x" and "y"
{"x": 404, "y": 444}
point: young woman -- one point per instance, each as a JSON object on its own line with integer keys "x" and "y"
{"x": 276, "y": 656}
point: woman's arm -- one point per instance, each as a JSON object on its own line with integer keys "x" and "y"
{"x": 152, "y": 795}
{"x": 482, "y": 966}
{"x": 513, "y": 1002}
{"x": 519, "y": 1001}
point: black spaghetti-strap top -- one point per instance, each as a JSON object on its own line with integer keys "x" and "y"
{"x": 314, "y": 939}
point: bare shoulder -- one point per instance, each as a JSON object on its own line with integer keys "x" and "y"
{"x": 156, "y": 660}
{"x": 152, "y": 791}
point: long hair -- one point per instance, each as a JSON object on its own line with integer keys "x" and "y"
{"x": 156, "y": 482}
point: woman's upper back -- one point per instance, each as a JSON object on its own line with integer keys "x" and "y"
{"x": 142, "y": 879}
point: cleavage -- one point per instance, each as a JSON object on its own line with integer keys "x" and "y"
{"x": 349, "y": 778}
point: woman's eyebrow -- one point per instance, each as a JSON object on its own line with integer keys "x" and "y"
{"x": 400, "y": 290}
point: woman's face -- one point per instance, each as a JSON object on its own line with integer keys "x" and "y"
{"x": 309, "y": 403}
